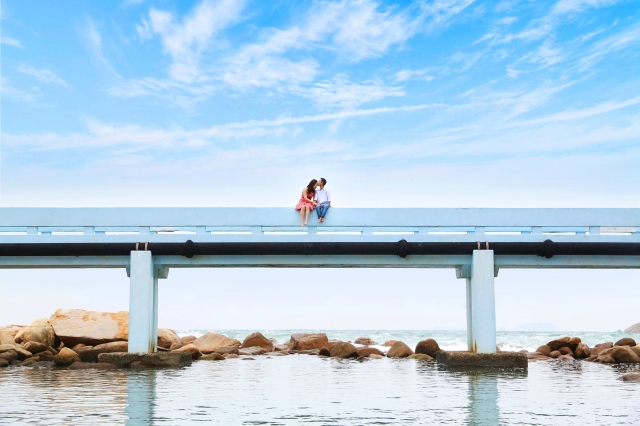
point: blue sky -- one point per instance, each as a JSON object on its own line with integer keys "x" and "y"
{"x": 241, "y": 103}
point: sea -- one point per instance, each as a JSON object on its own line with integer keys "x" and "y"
{"x": 304, "y": 389}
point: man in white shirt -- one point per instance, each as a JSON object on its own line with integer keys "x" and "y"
{"x": 323, "y": 199}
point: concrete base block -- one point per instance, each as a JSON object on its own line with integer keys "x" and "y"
{"x": 157, "y": 359}
{"x": 470, "y": 359}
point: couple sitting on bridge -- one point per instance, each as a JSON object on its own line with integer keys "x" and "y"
{"x": 314, "y": 196}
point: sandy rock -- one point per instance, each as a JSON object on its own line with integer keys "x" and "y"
{"x": 79, "y": 345}
{"x": 421, "y": 357}
{"x": 257, "y": 339}
{"x": 630, "y": 377}
{"x": 46, "y": 356}
{"x": 625, "y": 341}
{"x": 119, "y": 359}
{"x": 325, "y": 352}
{"x": 168, "y": 339}
{"x": 187, "y": 339}
{"x": 35, "y": 347}
{"x": 624, "y": 354}
{"x": 636, "y": 349}
{"x": 9, "y": 356}
{"x": 582, "y": 351}
{"x": 66, "y": 357}
{"x": 554, "y": 354}
{"x": 556, "y": 344}
{"x": 600, "y": 347}
{"x": 605, "y": 357}
{"x": 304, "y": 341}
{"x": 343, "y": 350}
{"x": 13, "y": 330}
{"x": 565, "y": 350}
{"x": 310, "y": 352}
{"x": 228, "y": 350}
{"x": 591, "y": 358}
{"x": 29, "y": 362}
{"x": 537, "y": 356}
{"x": 87, "y": 354}
{"x": 53, "y": 350}
{"x": 573, "y": 343}
{"x": 7, "y": 347}
{"x": 428, "y": 347}
{"x": 6, "y": 338}
{"x": 365, "y": 341}
{"x": 22, "y": 353}
{"x": 375, "y": 356}
{"x": 211, "y": 341}
{"x": 544, "y": 350}
{"x": 231, "y": 356}
{"x": 147, "y": 360}
{"x": 91, "y": 365}
{"x": 368, "y": 351}
{"x": 389, "y": 343}
{"x": 635, "y": 328}
{"x": 191, "y": 349}
{"x": 4, "y": 363}
{"x": 399, "y": 350}
{"x": 566, "y": 358}
{"x": 73, "y": 326}
{"x": 39, "y": 331}
{"x": 213, "y": 356}
{"x": 254, "y": 350}
{"x": 110, "y": 347}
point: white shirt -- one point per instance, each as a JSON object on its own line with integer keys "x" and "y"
{"x": 322, "y": 196}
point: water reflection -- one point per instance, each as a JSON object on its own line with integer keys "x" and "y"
{"x": 483, "y": 400}
{"x": 141, "y": 396}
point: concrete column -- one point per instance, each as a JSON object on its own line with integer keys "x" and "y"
{"x": 481, "y": 293}
{"x": 470, "y": 338}
{"x": 143, "y": 303}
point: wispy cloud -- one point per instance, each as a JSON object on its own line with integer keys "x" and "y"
{"x": 12, "y": 92}
{"x": 93, "y": 40}
{"x": 340, "y": 92}
{"x": 9, "y": 41}
{"x": 406, "y": 75}
{"x": 43, "y": 75}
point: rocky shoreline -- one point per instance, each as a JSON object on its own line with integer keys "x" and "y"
{"x": 78, "y": 339}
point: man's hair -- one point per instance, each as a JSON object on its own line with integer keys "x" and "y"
{"x": 324, "y": 181}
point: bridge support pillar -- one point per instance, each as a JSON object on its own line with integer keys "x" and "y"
{"x": 481, "y": 304}
{"x": 143, "y": 303}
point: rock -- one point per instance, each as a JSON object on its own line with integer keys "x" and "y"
{"x": 375, "y": 356}
{"x": 35, "y": 347}
{"x": 625, "y": 341}
{"x": 554, "y": 354}
{"x": 280, "y": 347}
{"x": 399, "y": 350}
{"x": 582, "y": 351}
{"x": 310, "y": 352}
{"x": 79, "y": 345}
{"x": 106, "y": 348}
{"x": 66, "y": 357}
{"x": 556, "y": 344}
{"x": 635, "y": 328}
{"x": 257, "y": 339}
{"x": 22, "y": 353}
{"x": 544, "y": 350}
{"x": 591, "y": 358}
{"x": 29, "y": 362}
{"x": 331, "y": 342}
{"x": 368, "y": 351}
{"x": 13, "y": 330}
{"x": 624, "y": 354}
{"x": 536, "y": 356}
{"x": 565, "y": 350}
{"x": 91, "y": 365}
{"x": 573, "y": 343}
{"x": 428, "y": 346}
{"x": 87, "y": 354}
{"x": 600, "y": 347}
{"x": 168, "y": 339}
{"x": 636, "y": 349}
{"x": 228, "y": 350}
{"x": 46, "y": 356}
{"x": 6, "y": 338}
{"x": 343, "y": 350}
{"x": 630, "y": 377}
{"x": 213, "y": 356}
{"x": 7, "y": 347}
{"x": 9, "y": 356}
{"x": 39, "y": 331}
{"x": 389, "y": 343}
{"x": 325, "y": 352}
{"x": 4, "y": 363}
{"x": 469, "y": 359}
{"x": 365, "y": 341}
{"x": 230, "y": 356}
{"x": 305, "y": 341}
{"x": 420, "y": 356}
{"x": 190, "y": 349}
{"x": 73, "y": 326}
{"x": 187, "y": 339}
{"x": 565, "y": 358}
{"x": 16, "y": 363}
{"x": 119, "y": 359}
{"x": 276, "y": 353}
{"x": 156, "y": 360}
{"x": 53, "y": 350}
{"x": 254, "y": 350}
{"x": 605, "y": 357}
{"x": 211, "y": 341}
{"x": 248, "y": 358}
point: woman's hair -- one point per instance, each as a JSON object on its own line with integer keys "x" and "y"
{"x": 311, "y": 188}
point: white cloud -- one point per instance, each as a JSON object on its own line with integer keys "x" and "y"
{"x": 10, "y": 41}
{"x": 9, "y": 91}
{"x": 42, "y": 75}
{"x": 93, "y": 40}
{"x": 406, "y": 75}
{"x": 340, "y": 92}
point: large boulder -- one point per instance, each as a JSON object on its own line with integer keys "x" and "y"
{"x": 12, "y": 329}
{"x": 9, "y": 355}
{"x": 66, "y": 357}
{"x": 213, "y": 356}
{"x": 257, "y": 339}
{"x": 566, "y": 341}
{"x": 253, "y": 350}
{"x": 19, "y": 350}
{"x": 582, "y": 351}
{"x": 625, "y": 341}
{"x": 87, "y": 354}
{"x": 605, "y": 356}
{"x": 365, "y": 341}
{"x": 305, "y": 341}
{"x": 73, "y": 326}
{"x": 597, "y": 349}
{"x": 366, "y": 351}
{"x": 187, "y": 339}
{"x": 190, "y": 349}
{"x": 39, "y": 331}
{"x": 635, "y": 328}
{"x": 399, "y": 350}
{"x": 624, "y": 354}
{"x": 630, "y": 377}
{"x": 428, "y": 347}
{"x": 544, "y": 350}
{"x": 6, "y": 338}
{"x": 343, "y": 350}
{"x": 168, "y": 339}
{"x": 111, "y": 347}
{"x": 636, "y": 349}
{"x": 223, "y": 350}
{"x": 565, "y": 350}
{"x": 420, "y": 357}
{"x": 4, "y": 363}
{"x": 35, "y": 347}
{"x": 211, "y": 341}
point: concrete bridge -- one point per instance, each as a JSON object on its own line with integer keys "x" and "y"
{"x": 474, "y": 242}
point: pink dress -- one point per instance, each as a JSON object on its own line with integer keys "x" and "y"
{"x": 304, "y": 202}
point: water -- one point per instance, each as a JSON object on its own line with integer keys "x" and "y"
{"x": 302, "y": 389}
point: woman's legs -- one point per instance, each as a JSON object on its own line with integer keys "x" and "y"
{"x": 306, "y": 219}
{"x": 302, "y": 216}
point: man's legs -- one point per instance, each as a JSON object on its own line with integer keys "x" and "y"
{"x": 322, "y": 210}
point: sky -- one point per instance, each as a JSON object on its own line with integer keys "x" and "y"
{"x": 452, "y": 103}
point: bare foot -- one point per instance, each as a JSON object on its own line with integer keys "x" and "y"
{"x": 305, "y": 224}
{"x": 301, "y": 224}
{"x": 322, "y": 219}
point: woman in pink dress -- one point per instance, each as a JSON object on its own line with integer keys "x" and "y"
{"x": 306, "y": 203}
